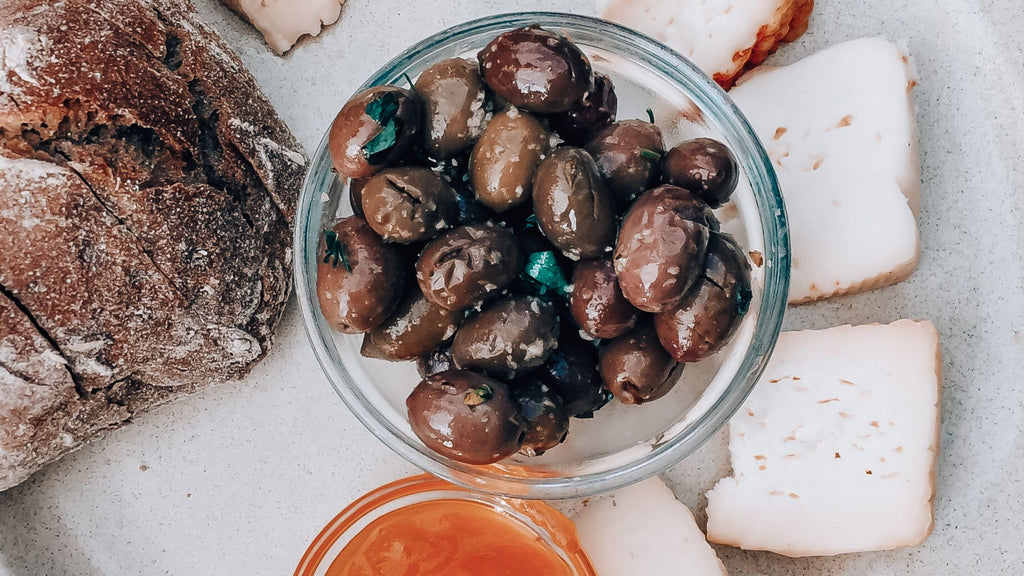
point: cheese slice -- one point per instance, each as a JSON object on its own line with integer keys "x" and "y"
{"x": 839, "y": 128}
{"x": 283, "y": 22}
{"x": 720, "y": 36}
{"x": 643, "y": 529}
{"x": 835, "y": 450}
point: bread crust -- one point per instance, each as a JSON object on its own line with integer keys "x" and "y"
{"x": 147, "y": 190}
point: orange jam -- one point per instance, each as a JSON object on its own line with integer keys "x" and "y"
{"x": 447, "y": 538}
{"x": 422, "y": 526}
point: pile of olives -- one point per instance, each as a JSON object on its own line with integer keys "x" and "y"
{"x": 535, "y": 256}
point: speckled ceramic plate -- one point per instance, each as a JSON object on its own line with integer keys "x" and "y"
{"x": 239, "y": 479}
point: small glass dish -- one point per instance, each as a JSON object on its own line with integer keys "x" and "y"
{"x": 535, "y": 525}
{"x": 621, "y": 444}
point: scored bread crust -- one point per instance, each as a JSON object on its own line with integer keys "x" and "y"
{"x": 146, "y": 194}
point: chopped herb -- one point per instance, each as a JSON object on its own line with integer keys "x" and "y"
{"x": 407, "y": 79}
{"x": 335, "y": 251}
{"x": 477, "y": 396}
{"x": 650, "y": 115}
{"x": 743, "y": 298}
{"x": 543, "y": 268}
{"x": 650, "y": 154}
{"x": 384, "y": 111}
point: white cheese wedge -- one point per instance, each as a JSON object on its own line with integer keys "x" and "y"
{"x": 283, "y": 22}
{"x": 719, "y": 36}
{"x": 839, "y": 127}
{"x": 836, "y": 448}
{"x": 643, "y": 529}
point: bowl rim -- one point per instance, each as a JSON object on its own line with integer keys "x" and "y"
{"x": 553, "y": 530}
{"x": 720, "y": 110}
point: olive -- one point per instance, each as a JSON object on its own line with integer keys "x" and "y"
{"x": 416, "y": 327}
{"x": 373, "y": 130}
{"x": 468, "y": 264}
{"x": 505, "y": 158}
{"x": 707, "y": 318}
{"x": 597, "y": 303}
{"x": 627, "y": 154}
{"x": 571, "y": 372}
{"x": 536, "y": 69}
{"x": 409, "y": 204}
{"x": 435, "y": 361}
{"x": 636, "y": 368}
{"x": 454, "y": 111}
{"x": 594, "y": 112}
{"x": 661, "y": 247}
{"x": 359, "y": 277}
{"x": 703, "y": 166}
{"x": 510, "y": 336}
{"x": 466, "y": 416}
{"x": 547, "y": 422}
{"x": 573, "y": 206}
{"x": 355, "y": 195}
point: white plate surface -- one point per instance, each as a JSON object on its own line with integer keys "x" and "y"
{"x": 238, "y": 479}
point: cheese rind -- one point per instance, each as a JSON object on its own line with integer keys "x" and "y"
{"x": 835, "y": 450}
{"x": 283, "y": 22}
{"x": 839, "y": 128}
{"x": 720, "y": 36}
{"x": 644, "y": 529}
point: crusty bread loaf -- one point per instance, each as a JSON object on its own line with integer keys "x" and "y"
{"x": 146, "y": 195}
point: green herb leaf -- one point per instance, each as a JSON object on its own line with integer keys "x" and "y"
{"x": 650, "y": 115}
{"x": 335, "y": 251}
{"x": 650, "y": 154}
{"x": 743, "y": 298}
{"x": 408, "y": 79}
{"x": 384, "y": 111}
{"x": 477, "y": 396}
{"x": 543, "y": 268}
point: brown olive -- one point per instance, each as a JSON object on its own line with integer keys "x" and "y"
{"x": 707, "y": 318}
{"x": 409, "y": 204}
{"x": 571, "y": 372}
{"x": 510, "y": 336}
{"x": 373, "y": 130}
{"x": 435, "y": 361}
{"x": 505, "y": 158}
{"x": 547, "y": 422}
{"x": 636, "y": 368}
{"x": 573, "y": 207}
{"x": 355, "y": 194}
{"x": 359, "y": 277}
{"x": 454, "y": 111}
{"x": 466, "y": 416}
{"x": 594, "y": 112}
{"x": 627, "y": 154}
{"x": 597, "y": 303}
{"x": 661, "y": 247}
{"x": 416, "y": 327}
{"x": 703, "y": 166}
{"x": 536, "y": 69}
{"x": 469, "y": 264}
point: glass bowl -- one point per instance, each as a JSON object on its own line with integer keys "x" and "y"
{"x": 621, "y": 444}
{"x": 549, "y": 528}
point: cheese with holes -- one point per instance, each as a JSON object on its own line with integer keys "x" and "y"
{"x": 836, "y": 448}
{"x": 283, "y": 22}
{"x": 643, "y": 529}
{"x": 722, "y": 37}
{"x": 839, "y": 128}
